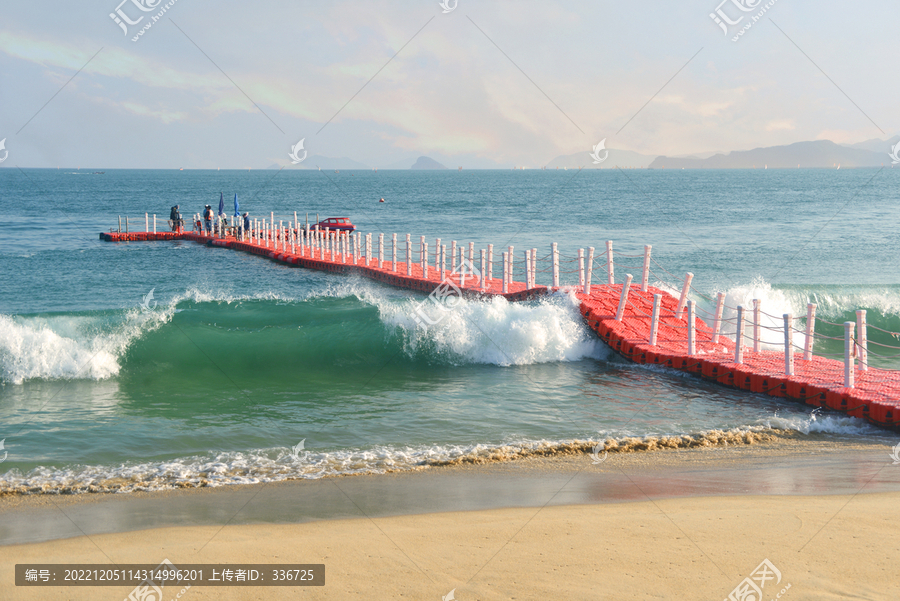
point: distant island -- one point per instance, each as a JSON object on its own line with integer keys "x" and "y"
{"x": 817, "y": 154}
{"x": 814, "y": 154}
{"x": 426, "y": 163}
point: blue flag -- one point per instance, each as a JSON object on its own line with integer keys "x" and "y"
{"x": 237, "y": 211}
{"x": 221, "y": 204}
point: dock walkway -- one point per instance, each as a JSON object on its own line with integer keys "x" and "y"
{"x": 623, "y": 316}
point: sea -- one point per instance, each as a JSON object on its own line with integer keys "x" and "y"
{"x": 157, "y": 365}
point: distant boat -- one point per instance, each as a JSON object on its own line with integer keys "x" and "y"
{"x": 839, "y": 166}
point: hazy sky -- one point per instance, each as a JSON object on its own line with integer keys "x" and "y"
{"x": 237, "y": 84}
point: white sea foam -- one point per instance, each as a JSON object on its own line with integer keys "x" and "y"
{"x": 490, "y": 330}
{"x": 496, "y": 331}
{"x": 824, "y": 424}
{"x": 70, "y": 347}
{"x": 279, "y": 464}
{"x": 90, "y": 346}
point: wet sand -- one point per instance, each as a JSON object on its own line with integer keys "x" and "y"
{"x": 669, "y": 524}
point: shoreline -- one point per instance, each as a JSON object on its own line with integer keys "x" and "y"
{"x": 685, "y": 523}
{"x": 790, "y": 467}
{"x": 97, "y": 480}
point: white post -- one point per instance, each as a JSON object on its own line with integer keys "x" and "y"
{"x": 533, "y": 267}
{"x": 848, "y": 354}
{"x": 581, "y": 269}
{"x": 424, "y": 258}
{"x": 408, "y": 254}
{"x": 443, "y": 266}
{"x": 610, "y": 268}
{"x": 645, "y": 278}
{"x": 720, "y": 305}
{"x": 527, "y": 270}
{"x": 423, "y": 254}
{"x": 154, "y": 224}
{"x": 692, "y": 336}
{"x": 654, "y": 319}
{"x": 368, "y": 249}
{"x": 490, "y": 272}
{"x": 590, "y": 269}
{"x": 437, "y": 252}
{"x": 554, "y": 250}
{"x": 296, "y": 225}
{"x": 756, "y": 310}
{"x": 505, "y": 273}
{"x": 862, "y": 343}
{"x": 294, "y": 248}
{"x": 788, "y": 344}
{"x": 810, "y": 331}
{"x": 623, "y": 298}
{"x": 684, "y": 292}
{"x": 147, "y": 222}
{"x": 393, "y": 252}
{"x": 472, "y": 254}
{"x": 280, "y": 234}
{"x": 462, "y": 267}
{"x": 511, "y": 259}
{"x": 739, "y": 336}
{"x": 483, "y": 252}
{"x": 453, "y": 255}
{"x": 381, "y": 251}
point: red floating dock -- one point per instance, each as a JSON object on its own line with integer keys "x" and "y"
{"x": 818, "y": 381}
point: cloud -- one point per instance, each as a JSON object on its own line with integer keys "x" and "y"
{"x": 780, "y": 125}
{"x": 161, "y": 115}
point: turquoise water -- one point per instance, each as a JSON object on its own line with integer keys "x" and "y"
{"x": 236, "y": 359}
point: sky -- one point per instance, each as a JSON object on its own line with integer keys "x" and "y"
{"x": 476, "y": 84}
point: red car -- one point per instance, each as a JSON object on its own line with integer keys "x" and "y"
{"x": 334, "y": 223}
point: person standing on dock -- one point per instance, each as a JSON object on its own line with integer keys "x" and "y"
{"x": 246, "y": 223}
{"x": 207, "y": 217}
{"x": 175, "y": 219}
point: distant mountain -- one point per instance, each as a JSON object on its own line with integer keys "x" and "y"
{"x": 876, "y": 145}
{"x": 426, "y": 163}
{"x": 616, "y": 158}
{"x": 817, "y": 154}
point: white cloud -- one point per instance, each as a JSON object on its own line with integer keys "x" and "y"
{"x": 781, "y": 125}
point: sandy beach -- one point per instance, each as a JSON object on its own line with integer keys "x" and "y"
{"x": 665, "y": 525}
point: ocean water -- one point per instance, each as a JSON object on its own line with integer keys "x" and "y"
{"x": 235, "y": 360}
